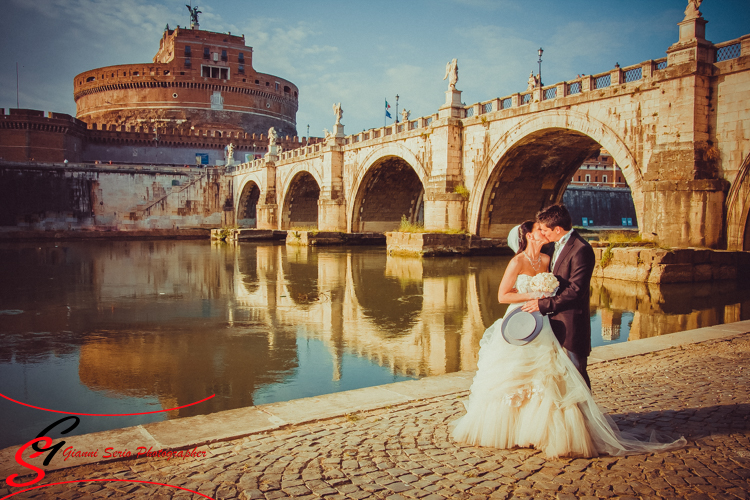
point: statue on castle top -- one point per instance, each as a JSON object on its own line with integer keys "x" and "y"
{"x": 193, "y": 13}
{"x": 272, "y": 137}
{"x": 405, "y": 115}
{"x": 692, "y": 12}
{"x": 451, "y": 72}
{"x": 338, "y": 112}
{"x": 533, "y": 82}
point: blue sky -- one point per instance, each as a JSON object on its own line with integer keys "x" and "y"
{"x": 354, "y": 52}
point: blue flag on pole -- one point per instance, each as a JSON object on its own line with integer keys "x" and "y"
{"x": 387, "y": 114}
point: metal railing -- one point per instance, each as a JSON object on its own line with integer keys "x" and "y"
{"x": 506, "y": 103}
{"x": 661, "y": 64}
{"x": 550, "y": 93}
{"x": 603, "y": 81}
{"x": 574, "y": 88}
{"x": 526, "y": 98}
{"x": 633, "y": 74}
{"x": 469, "y": 111}
{"x": 487, "y": 107}
{"x": 727, "y": 52}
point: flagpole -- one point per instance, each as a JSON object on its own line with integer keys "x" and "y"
{"x": 384, "y": 114}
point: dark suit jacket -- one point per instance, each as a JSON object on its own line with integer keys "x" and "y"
{"x": 568, "y": 310}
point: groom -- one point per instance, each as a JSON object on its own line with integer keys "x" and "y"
{"x": 572, "y": 264}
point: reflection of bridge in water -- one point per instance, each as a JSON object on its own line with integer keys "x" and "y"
{"x": 675, "y": 126}
{"x": 418, "y": 317}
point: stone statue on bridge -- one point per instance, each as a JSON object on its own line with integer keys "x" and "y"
{"x": 692, "y": 12}
{"x": 272, "y": 137}
{"x": 533, "y": 82}
{"x": 229, "y": 154}
{"x": 451, "y": 72}
{"x": 338, "y": 112}
{"x": 405, "y": 115}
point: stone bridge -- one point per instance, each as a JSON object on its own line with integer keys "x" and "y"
{"x": 678, "y": 127}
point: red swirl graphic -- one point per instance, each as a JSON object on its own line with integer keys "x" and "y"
{"x": 96, "y": 480}
{"x": 105, "y": 414}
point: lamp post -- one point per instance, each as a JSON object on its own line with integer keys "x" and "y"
{"x": 308, "y": 135}
{"x": 396, "y": 108}
{"x": 540, "y": 66}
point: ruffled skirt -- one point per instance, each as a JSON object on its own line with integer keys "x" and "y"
{"x": 533, "y": 396}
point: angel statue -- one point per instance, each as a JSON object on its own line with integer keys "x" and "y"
{"x": 405, "y": 115}
{"x": 229, "y": 154}
{"x": 338, "y": 112}
{"x": 691, "y": 12}
{"x": 533, "y": 82}
{"x": 451, "y": 72}
{"x": 272, "y": 137}
{"x": 193, "y": 13}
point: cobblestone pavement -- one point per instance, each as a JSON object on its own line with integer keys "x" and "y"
{"x": 404, "y": 452}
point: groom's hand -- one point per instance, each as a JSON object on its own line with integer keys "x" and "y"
{"x": 531, "y": 306}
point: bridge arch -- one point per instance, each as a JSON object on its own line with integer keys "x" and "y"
{"x": 530, "y": 166}
{"x": 249, "y": 194}
{"x": 738, "y": 209}
{"x": 300, "y": 194}
{"x": 392, "y": 178}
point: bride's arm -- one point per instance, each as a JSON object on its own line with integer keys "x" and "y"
{"x": 506, "y": 294}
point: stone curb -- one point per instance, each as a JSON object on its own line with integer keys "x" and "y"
{"x": 193, "y": 432}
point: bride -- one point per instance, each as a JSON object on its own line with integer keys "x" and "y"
{"x": 532, "y": 395}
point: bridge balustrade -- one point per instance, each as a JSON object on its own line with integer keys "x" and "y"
{"x": 727, "y": 51}
{"x": 603, "y": 81}
{"x": 550, "y": 93}
{"x": 633, "y": 74}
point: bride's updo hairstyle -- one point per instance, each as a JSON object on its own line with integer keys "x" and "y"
{"x": 525, "y": 228}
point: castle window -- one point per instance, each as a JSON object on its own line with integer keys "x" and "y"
{"x": 135, "y": 73}
{"x": 91, "y": 79}
{"x": 579, "y": 178}
{"x": 166, "y": 72}
{"x": 268, "y": 84}
{"x": 215, "y": 72}
{"x": 187, "y": 62}
{"x": 188, "y": 51}
{"x": 257, "y": 82}
{"x": 588, "y": 178}
{"x": 604, "y": 178}
{"x": 277, "y": 85}
{"x": 619, "y": 179}
{"x": 287, "y": 89}
{"x": 596, "y": 178}
{"x": 206, "y": 52}
{"x": 241, "y": 68}
{"x": 223, "y": 55}
{"x": 241, "y": 58}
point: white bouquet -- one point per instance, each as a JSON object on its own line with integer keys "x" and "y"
{"x": 545, "y": 284}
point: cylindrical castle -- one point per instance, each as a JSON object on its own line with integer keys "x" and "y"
{"x": 197, "y": 80}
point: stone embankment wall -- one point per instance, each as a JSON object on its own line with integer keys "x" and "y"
{"x": 56, "y": 197}
{"x": 432, "y": 244}
{"x": 657, "y": 265}
{"x": 605, "y": 206}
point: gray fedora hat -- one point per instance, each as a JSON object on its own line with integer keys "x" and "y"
{"x": 521, "y": 327}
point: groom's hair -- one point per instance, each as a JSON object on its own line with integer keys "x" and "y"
{"x": 555, "y": 215}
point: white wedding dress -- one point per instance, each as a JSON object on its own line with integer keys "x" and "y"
{"x": 533, "y": 396}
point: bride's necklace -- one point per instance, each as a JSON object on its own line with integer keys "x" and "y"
{"x": 534, "y": 263}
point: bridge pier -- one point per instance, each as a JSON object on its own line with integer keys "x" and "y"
{"x": 332, "y": 204}
{"x": 684, "y": 213}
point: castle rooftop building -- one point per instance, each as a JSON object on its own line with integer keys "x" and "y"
{"x": 197, "y": 80}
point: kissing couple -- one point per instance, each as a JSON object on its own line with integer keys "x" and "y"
{"x": 531, "y": 388}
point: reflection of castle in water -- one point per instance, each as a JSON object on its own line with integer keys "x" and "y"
{"x": 236, "y": 325}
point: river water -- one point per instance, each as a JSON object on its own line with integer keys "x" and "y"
{"x": 134, "y": 327}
